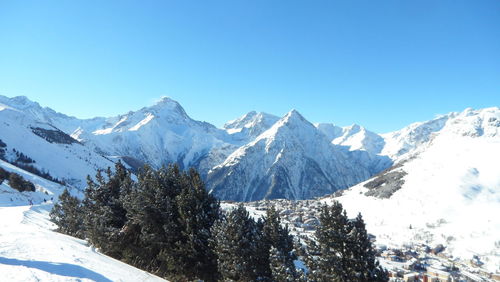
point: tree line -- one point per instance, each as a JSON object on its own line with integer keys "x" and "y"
{"x": 165, "y": 222}
{"x": 24, "y": 162}
{"x": 16, "y": 181}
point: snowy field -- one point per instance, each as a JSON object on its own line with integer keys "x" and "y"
{"x": 31, "y": 251}
{"x": 451, "y": 196}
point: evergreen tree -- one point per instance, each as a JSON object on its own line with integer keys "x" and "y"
{"x": 67, "y": 214}
{"x": 152, "y": 213}
{"x": 282, "y": 269}
{"x": 191, "y": 257}
{"x": 162, "y": 223}
{"x": 17, "y": 182}
{"x": 105, "y": 215}
{"x": 332, "y": 242}
{"x": 343, "y": 251}
{"x": 3, "y": 175}
{"x": 365, "y": 266}
{"x": 280, "y": 248}
{"x": 236, "y": 244}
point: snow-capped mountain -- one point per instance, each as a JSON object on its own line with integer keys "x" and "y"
{"x": 447, "y": 191}
{"x": 249, "y": 126}
{"x": 355, "y": 137}
{"x": 362, "y": 144}
{"x": 405, "y": 141}
{"x": 164, "y": 133}
{"x": 290, "y": 160}
{"x": 157, "y": 135}
{"x": 253, "y": 157}
{"x": 29, "y": 141}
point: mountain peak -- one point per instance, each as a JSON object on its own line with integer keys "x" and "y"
{"x": 293, "y": 112}
{"x": 241, "y": 121}
{"x": 19, "y": 102}
{"x": 251, "y": 114}
{"x": 354, "y": 128}
{"x": 167, "y": 105}
{"x": 166, "y": 99}
{"x": 294, "y": 116}
{"x": 167, "y": 102}
{"x": 473, "y": 112}
{"x": 250, "y": 125}
{"x": 292, "y": 125}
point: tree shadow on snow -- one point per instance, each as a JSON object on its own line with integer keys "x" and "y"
{"x": 58, "y": 268}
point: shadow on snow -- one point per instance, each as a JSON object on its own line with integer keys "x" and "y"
{"x": 63, "y": 269}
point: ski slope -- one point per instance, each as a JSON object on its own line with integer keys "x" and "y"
{"x": 31, "y": 251}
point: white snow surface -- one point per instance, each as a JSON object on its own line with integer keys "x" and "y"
{"x": 31, "y": 251}
{"x": 451, "y": 194}
{"x": 250, "y": 125}
{"x": 69, "y": 162}
{"x": 157, "y": 135}
{"x": 355, "y": 137}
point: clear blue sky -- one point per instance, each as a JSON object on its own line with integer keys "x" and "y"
{"x": 381, "y": 64}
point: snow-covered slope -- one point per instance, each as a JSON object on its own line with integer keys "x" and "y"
{"x": 249, "y": 126}
{"x": 291, "y": 160}
{"x": 405, "y": 141}
{"x": 359, "y": 138}
{"x": 355, "y": 137}
{"x": 330, "y": 130}
{"x": 49, "y": 149}
{"x": 363, "y": 145}
{"x": 158, "y": 135}
{"x": 448, "y": 191}
{"x": 31, "y": 251}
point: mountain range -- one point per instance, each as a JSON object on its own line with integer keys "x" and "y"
{"x": 257, "y": 156}
{"x": 433, "y": 183}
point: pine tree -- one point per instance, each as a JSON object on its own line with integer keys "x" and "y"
{"x": 67, "y": 214}
{"x": 17, "y": 182}
{"x": 105, "y": 215}
{"x": 343, "y": 251}
{"x": 331, "y": 235}
{"x": 152, "y": 228}
{"x": 365, "y": 266}
{"x": 236, "y": 242}
{"x": 162, "y": 223}
{"x": 281, "y": 268}
{"x": 192, "y": 257}
{"x": 280, "y": 248}
{"x": 3, "y": 175}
